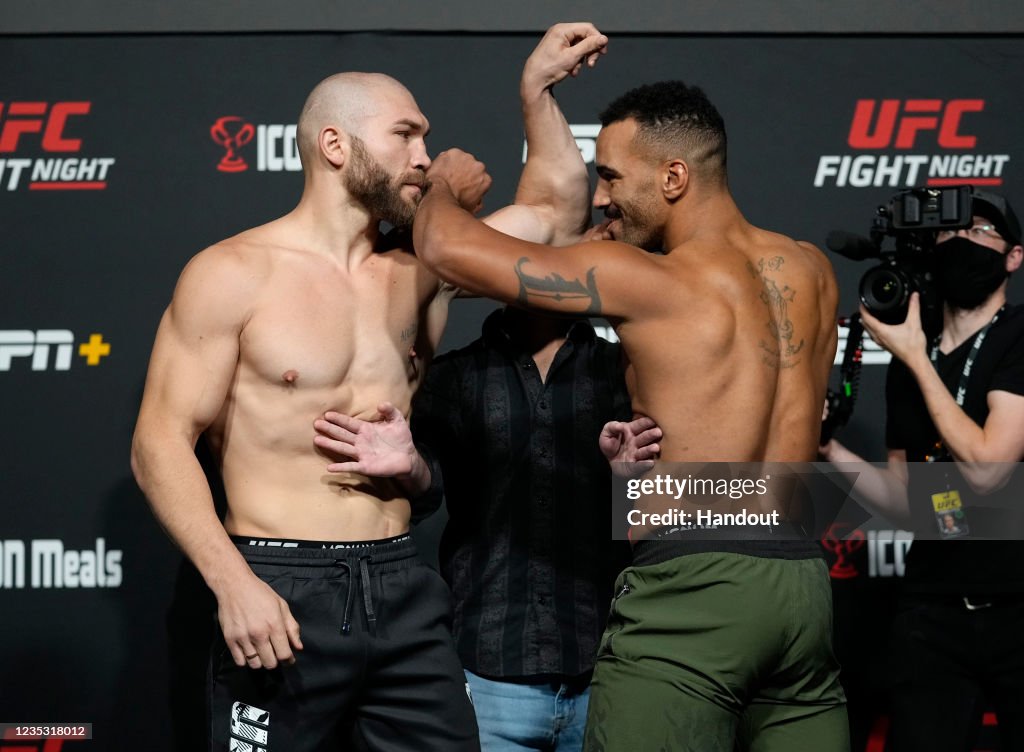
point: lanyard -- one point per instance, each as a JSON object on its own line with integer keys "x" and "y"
{"x": 939, "y": 451}
{"x": 961, "y": 390}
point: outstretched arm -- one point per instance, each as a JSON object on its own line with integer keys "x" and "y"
{"x": 596, "y": 278}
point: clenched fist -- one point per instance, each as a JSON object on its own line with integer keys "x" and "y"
{"x": 464, "y": 175}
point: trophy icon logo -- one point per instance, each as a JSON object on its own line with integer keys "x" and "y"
{"x": 232, "y": 133}
{"x": 840, "y": 547}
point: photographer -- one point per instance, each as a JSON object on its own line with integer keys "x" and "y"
{"x": 957, "y": 398}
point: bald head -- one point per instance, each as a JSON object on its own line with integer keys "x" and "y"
{"x": 344, "y": 100}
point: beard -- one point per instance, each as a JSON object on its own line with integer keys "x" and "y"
{"x": 637, "y": 225}
{"x": 640, "y": 234}
{"x": 369, "y": 183}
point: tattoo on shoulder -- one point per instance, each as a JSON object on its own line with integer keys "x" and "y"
{"x": 782, "y": 349}
{"x": 555, "y": 287}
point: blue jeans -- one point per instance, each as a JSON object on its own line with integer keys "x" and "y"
{"x": 515, "y": 716}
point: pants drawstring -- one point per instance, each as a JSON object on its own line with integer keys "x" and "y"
{"x": 371, "y": 618}
{"x": 364, "y": 572}
{"x": 346, "y": 623}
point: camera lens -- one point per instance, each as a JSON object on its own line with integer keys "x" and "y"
{"x": 884, "y": 291}
{"x": 885, "y": 288}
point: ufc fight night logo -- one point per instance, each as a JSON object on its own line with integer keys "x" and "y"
{"x": 276, "y": 148}
{"x": 41, "y": 148}
{"x": 912, "y": 125}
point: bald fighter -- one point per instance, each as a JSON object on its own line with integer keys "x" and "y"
{"x": 730, "y": 336}
{"x": 332, "y": 628}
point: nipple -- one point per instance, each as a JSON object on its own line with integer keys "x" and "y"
{"x": 290, "y": 376}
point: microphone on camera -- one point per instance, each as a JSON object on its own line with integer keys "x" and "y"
{"x": 854, "y": 247}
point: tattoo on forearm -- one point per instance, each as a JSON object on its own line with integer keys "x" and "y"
{"x": 781, "y": 350}
{"x": 555, "y": 287}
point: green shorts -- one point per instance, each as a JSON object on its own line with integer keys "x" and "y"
{"x": 714, "y": 652}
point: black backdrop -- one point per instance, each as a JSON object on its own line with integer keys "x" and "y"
{"x": 93, "y": 245}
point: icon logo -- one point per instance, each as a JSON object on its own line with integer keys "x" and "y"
{"x": 232, "y": 133}
{"x": 840, "y": 547}
{"x": 887, "y": 552}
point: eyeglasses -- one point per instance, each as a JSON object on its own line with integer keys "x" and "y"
{"x": 976, "y": 233}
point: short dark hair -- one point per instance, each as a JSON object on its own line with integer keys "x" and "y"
{"x": 673, "y": 116}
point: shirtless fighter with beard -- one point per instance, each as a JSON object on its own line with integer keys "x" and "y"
{"x": 268, "y": 330}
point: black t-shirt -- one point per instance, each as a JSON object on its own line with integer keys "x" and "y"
{"x": 964, "y": 567}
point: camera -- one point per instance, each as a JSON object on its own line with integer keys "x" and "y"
{"x": 912, "y": 218}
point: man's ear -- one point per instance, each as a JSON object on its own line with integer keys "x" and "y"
{"x": 1013, "y": 258}
{"x": 675, "y": 179}
{"x": 334, "y": 145}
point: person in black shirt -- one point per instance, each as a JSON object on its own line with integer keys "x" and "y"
{"x": 957, "y": 399}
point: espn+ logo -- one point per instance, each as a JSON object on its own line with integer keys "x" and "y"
{"x": 52, "y": 129}
{"x": 905, "y": 124}
{"x": 46, "y": 349}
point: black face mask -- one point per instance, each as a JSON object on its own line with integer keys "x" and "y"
{"x": 967, "y": 272}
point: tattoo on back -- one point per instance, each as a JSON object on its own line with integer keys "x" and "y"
{"x": 557, "y": 288}
{"x": 781, "y": 350}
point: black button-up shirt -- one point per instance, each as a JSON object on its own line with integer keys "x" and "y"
{"x": 528, "y": 550}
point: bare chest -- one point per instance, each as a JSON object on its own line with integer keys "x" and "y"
{"x": 324, "y": 333}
